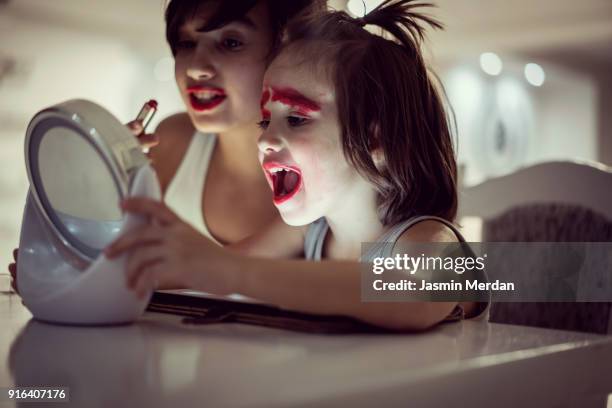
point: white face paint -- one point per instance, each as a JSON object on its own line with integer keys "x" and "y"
{"x": 300, "y": 148}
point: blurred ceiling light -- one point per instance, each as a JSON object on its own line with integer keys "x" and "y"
{"x": 164, "y": 69}
{"x": 490, "y": 63}
{"x": 360, "y": 8}
{"x": 534, "y": 74}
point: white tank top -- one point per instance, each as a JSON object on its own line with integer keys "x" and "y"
{"x": 184, "y": 193}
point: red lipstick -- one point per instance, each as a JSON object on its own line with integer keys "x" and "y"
{"x": 146, "y": 113}
{"x": 284, "y": 180}
{"x": 205, "y": 98}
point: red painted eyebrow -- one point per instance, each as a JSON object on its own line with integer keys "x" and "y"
{"x": 291, "y": 97}
{"x": 265, "y": 97}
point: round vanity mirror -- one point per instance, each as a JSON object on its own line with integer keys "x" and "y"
{"x": 77, "y": 189}
{"x": 78, "y": 176}
{"x": 81, "y": 161}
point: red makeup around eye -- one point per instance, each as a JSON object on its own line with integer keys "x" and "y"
{"x": 291, "y": 97}
{"x": 265, "y": 97}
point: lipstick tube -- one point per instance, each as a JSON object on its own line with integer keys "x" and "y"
{"x": 146, "y": 113}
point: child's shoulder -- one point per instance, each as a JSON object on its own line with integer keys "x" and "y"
{"x": 428, "y": 230}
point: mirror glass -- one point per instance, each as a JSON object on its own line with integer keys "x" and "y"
{"x": 76, "y": 186}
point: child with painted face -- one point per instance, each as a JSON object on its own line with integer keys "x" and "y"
{"x": 356, "y": 148}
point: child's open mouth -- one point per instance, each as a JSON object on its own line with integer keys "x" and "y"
{"x": 285, "y": 181}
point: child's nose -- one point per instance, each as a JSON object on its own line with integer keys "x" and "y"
{"x": 269, "y": 142}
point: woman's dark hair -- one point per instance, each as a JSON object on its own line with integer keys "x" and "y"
{"x": 280, "y": 12}
{"x": 387, "y": 101}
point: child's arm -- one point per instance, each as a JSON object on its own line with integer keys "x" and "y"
{"x": 167, "y": 252}
{"x": 170, "y": 249}
{"x": 330, "y": 287}
{"x": 334, "y": 287}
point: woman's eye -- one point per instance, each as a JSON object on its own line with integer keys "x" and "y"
{"x": 295, "y": 121}
{"x": 232, "y": 44}
{"x": 263, "y": 124}
{"x": 185, "y": 45}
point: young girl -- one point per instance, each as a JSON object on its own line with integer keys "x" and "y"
{"x": 206, "y": 157}
{"x": 356, "y": 148}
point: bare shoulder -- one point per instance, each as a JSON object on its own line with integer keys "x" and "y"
{"x": 176, "y": 123}
{"x": 174, "y": 134}
{"x": 424, "y": 232}
{"x": 428, "y": 231}
{"x": 433, "y": 231}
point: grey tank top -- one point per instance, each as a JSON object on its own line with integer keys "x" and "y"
{"x": 383, "y": 247}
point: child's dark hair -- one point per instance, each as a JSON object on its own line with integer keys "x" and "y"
{"x": 386, "y": 100}
{"x": 280, "y": 12}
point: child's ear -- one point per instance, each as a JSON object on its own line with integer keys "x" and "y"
{"x": 376, "y": 151}
{"x": 378, "y": 157}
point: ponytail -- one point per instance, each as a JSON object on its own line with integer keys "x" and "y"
{"x": 400, "y": 19}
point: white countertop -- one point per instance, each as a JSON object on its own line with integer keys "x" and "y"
{"x": 159, "y": 362}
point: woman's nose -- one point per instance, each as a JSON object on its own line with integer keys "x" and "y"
{"x": 201, "y": 66}
{"x": 269, "y": 142}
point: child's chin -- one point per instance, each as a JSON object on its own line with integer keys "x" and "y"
{"x": 297, "y": 218}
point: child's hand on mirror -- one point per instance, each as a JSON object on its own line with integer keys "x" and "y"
{"x": 146, "y": 140}
{"x": 168, "y": 252}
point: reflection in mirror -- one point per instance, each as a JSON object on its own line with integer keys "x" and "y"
{"x": 79, "y": 188}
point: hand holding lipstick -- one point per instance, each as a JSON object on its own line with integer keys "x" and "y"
{"x": 138, "y": 125}
{"x": 146, "y": 140}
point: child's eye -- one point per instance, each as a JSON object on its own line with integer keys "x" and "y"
{"x": 295, "y": 121}
{"x": 263, "y": 124}
{"x": 232, "y": 44}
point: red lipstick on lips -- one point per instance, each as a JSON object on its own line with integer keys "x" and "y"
{"x": 200, "y": 105}
{"x": 284, "y": 180}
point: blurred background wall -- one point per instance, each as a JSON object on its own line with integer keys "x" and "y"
{"x": 529, "y": 80}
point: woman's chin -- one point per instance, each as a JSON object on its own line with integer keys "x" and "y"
{"x": 224, "y": 120}
{"x": 210, "y": 124}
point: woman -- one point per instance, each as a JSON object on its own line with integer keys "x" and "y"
{"x": 206, "y": 157}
